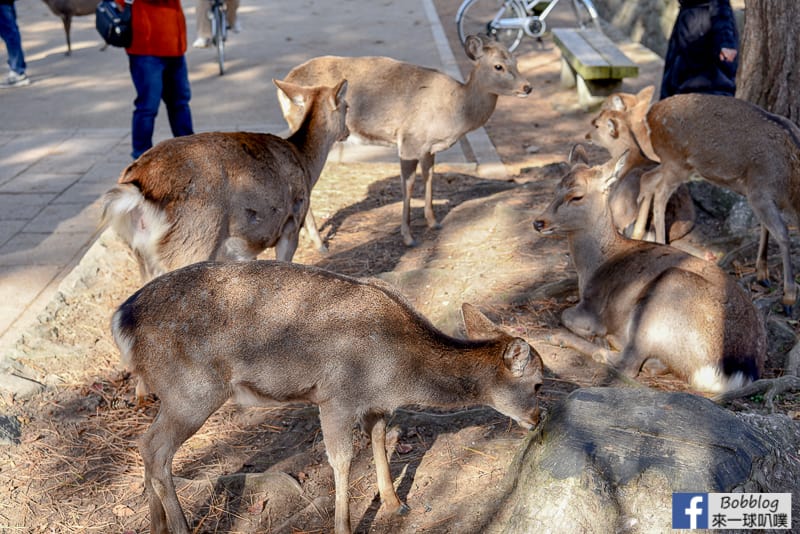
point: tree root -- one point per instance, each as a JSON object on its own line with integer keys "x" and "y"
{"x": 770, "y": 387}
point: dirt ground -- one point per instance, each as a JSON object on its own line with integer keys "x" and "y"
{"x": 77, "y": 468}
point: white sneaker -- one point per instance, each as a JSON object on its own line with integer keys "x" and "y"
{"x": 15, "y": 80}
{"x": 237, "y": 27}
{"x": 201, "y": 42}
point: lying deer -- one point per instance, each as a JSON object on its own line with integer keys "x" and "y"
{"x": 264, "y": 330}
{"x": 420, "y": 110}
{"x": 226, "y": 196}
{"x": 649, "y": 300}
{"x": 734, "y": 144}
{"x": 612, "y": 130}
{"x": 66, "y": 9}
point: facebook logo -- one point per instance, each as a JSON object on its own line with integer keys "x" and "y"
{"x": 690, "y": 510}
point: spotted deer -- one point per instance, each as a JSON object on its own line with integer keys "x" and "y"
{"x": 265, "y": 331}
{"x": 734, "y": 144}
{"x": 420, "y": 110}
{"x": 227, "y": 195}
{"x": 648, "y": 300}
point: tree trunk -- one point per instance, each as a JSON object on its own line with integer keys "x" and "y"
{"x": 769, "y": 65}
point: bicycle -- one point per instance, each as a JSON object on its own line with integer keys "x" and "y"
{"x": 508, "y": 21}
{"x": 219, "y": 30}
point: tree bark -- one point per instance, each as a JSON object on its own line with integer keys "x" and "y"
{"x": 769, "y": 64}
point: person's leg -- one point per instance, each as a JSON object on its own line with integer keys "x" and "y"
{"x": 146, "y": 73}
{"x": 203, "y": 24}
{"x": 231, "y": 6}
{"x": 9, "y": 31}
{"x": 176, "y": 95}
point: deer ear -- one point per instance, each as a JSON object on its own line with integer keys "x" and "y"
{"x": 477, "y": 325}
{"x": 340, "y": 90}
{"x": 290, "y": 92}
{"x": 473, "y": 46}
{"x": 616, "y": 174}
{"x": 577, "y": 154}
{"x": 646, "y": 94}
{"x": 616, "y": 103}
{"x": 516, "y": 357}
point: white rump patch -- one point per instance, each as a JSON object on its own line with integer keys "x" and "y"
{"x": 124, "y": 341}
{"x": 710, "y": 378}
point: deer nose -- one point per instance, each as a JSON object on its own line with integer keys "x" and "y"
{"x": 538, "y": 225}
{"x": 527, "y": 89}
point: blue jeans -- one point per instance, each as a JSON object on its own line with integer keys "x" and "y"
{"x": 159, "y": 78}
{"x": 9, "y": 31}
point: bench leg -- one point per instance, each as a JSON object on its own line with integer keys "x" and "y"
{"x": 592, "y": 93}
{"x": 568, "y": 75}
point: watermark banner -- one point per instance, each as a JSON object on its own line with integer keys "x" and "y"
{"x": 751, "y": 511}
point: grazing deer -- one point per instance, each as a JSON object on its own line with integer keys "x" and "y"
{"x": 66, "y": 9}
{"x": 421, "y": 110}
{"x": 734, "y": 144}
{"x": 270, "y": 331}
{"x": 226, "y": 196}
{"x": 612, "y": 130}
{"x": 649, "y": 300}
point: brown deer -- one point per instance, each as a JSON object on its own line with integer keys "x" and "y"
{"x": 226, "y": 195}
{"x": 648, "y": 300}
{"x": 734, "y": 144}
{"x": 265, "y": 331}
{"x": 66, "y": 9}
{"x": 612, "y": 130}
{"x": 421, "y": 110}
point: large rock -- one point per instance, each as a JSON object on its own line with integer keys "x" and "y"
{"x": 608, "y": 460}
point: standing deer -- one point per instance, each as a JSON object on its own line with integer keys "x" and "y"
{"x": 421, "y": 110}
{"x": 612, "y": 130}
{"x": 66, "y": 9}
{"x": 226, "y": 195}
{"x": 734, "y": 144}
{"x": 649, "y": 300}
{"x": 271, "y": 331}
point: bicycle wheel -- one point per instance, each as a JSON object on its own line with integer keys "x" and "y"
{"x": 586, "y": 14}
{"x": 476, "y": 17}
{"x": 219, "y": 36}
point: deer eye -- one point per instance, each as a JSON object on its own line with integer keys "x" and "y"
{"x": 499, "y": 68}
{"x": 574, "y": 198}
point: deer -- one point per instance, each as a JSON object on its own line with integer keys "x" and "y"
{"x": 265, "y": 331}
{"x": 226, "y": 195}
{"x": 648, "y": 300}
{"x": 66, "y": 9}
{"x": 420, "y": 110}
{"x": 612, "y": 130}
{"x": 734, "y": 144}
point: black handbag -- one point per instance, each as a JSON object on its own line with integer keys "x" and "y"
{"x": 114, "y": 25}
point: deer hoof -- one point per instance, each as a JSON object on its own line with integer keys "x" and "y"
{"x": 788, "y": 309}
{"x": 435, "y": 225}
{"x": 403, "y": 510}
{"x": 764, "y": 282}
{"x": 410, "y": 241}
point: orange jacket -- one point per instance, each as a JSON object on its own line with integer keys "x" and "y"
{"x": 159, "y": 28}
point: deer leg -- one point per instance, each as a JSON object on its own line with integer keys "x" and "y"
{"x": 336, "y": 433}
{"x": 158, "y": 447}
{"x": 647, "y": 186}
{"x": 375, "y": 425}
{"x": 287, "y": 243}
{"x": 771, "y": 219}
{"x": 426, "y": 169}
{"x": 408, "y": 169}
{"x": 310, "y": 224}
{"x": 762, "y": 268}
{"x": 663, "y": 192}
{"x": 67, "y": 20}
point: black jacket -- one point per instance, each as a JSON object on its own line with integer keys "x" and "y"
{"x": 692, "y": 65}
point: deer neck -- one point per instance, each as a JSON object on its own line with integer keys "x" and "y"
{"x": 478, "y": 103}
{"x": 594, "y": 246}
{"x": 636, "y": 156}
{"x": 313, "y": 142}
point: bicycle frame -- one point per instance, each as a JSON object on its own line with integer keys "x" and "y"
{"x": 533, "y": 25}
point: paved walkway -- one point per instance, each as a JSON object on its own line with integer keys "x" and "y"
{"x": 65, "y": 138}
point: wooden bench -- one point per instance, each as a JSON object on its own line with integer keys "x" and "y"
{"x": 593, "y": 63}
